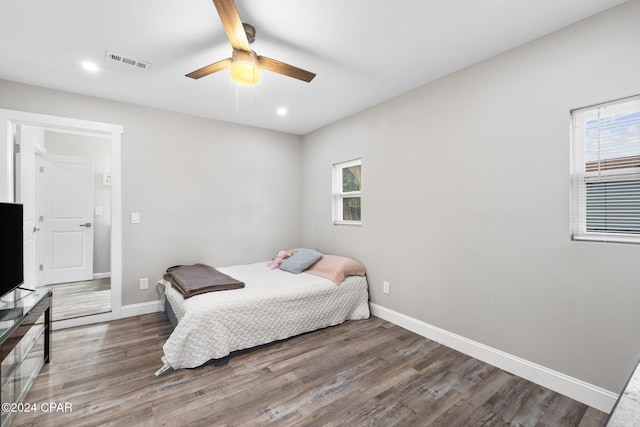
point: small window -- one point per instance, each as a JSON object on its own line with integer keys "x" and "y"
{"x": 605, "y": 172}
{"x": 347, "y": 192}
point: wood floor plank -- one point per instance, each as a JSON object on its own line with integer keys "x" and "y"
{"x": 360, "y": 373}
{"x": 77, "y": 299}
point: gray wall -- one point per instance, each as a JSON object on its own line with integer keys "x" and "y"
{"x": 466, "y": 203}
{"x": 207, "y": 191}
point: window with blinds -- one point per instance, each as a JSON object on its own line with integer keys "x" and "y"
{"x": 605, "y": 172}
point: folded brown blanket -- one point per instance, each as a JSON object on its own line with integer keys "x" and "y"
{"x": 196, "y": 279}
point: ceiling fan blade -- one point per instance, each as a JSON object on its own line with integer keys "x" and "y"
{"x": 232, "y": 24}
{"x": 210, "y": 69}
{"x": 285, "y": 69}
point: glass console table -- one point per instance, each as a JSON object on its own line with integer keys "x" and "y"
{"x": 25, "y": 338}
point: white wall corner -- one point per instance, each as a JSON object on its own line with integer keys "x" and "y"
{"x": 589, "y": 394}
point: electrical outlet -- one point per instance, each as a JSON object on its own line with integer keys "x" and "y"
{"x": 144, "y": 283}
{"x": 385, "y": 287}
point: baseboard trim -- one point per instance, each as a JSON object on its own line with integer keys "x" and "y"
{"x": 131, "y": 310}
{"x": 125, "y": 311}
{"x": 81, "y": 321}
{"x": 579, "y": 390}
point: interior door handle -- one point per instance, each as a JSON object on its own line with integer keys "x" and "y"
{"x": 87, "y": 224}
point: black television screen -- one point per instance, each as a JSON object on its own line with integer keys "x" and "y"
{"x": 11, "y": 241}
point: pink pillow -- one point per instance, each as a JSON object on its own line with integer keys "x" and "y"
{"x": 336, "y": 268}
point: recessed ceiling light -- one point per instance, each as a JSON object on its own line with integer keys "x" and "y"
{"x": 282, "y": 111}
{"x": 90, "y": 66}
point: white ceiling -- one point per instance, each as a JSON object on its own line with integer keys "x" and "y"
{"x": 363, "y": 51}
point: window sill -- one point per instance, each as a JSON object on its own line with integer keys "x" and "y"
{"x": 357, "y": 223}
{"x": 606, "y": 238}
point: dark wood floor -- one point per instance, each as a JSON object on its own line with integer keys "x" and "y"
{"x": 361, "y": 373}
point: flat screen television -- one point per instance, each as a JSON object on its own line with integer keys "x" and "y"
{"x": 11, "y": 250}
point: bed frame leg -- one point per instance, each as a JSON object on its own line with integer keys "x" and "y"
{"x": 165, "y": 367}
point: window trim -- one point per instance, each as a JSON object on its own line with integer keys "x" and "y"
{"x": 339, "y": 195}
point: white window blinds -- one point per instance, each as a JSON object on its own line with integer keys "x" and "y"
{"x": 605, "y": 172}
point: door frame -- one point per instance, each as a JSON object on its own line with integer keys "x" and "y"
{"x": 11, "y": 118}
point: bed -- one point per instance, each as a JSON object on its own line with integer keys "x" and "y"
{"x": 274, "y": 304}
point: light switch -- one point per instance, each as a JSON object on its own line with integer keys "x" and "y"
{"x": 98, "y": 210}
{"x": 135, "y": 217}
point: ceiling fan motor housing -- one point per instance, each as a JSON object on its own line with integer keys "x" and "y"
{"x": 250, "y": 31}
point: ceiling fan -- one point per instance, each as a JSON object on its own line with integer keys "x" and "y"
{"x": 244, "y": 63}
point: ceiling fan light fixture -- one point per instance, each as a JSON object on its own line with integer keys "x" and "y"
{"x": 244, "y": 68}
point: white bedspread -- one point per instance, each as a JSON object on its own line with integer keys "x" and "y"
{"x": 273, "y": 305}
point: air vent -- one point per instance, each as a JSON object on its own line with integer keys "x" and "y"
{"x": 127, "y": 60}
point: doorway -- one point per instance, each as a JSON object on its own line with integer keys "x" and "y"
{"x": 14, "y": 176}
{"x": 73, "y": 215}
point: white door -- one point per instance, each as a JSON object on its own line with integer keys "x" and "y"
{"x": 25, "y": 194}
{"x": 68, "y": 218}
